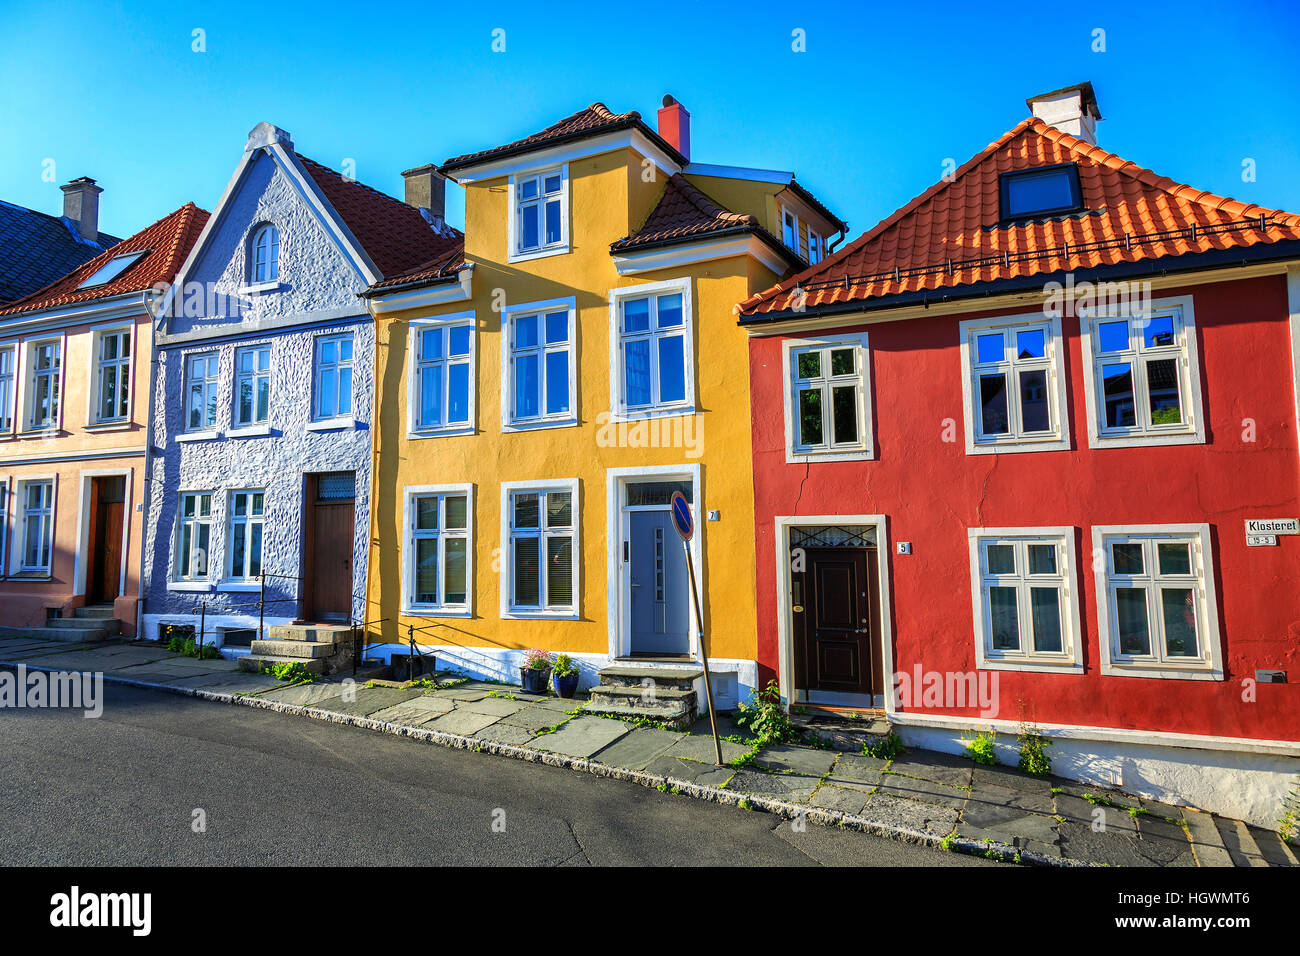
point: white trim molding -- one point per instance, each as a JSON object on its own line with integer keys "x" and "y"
{"x": 651, "y": 291}
{"x": 574, "y": 532}
{"x": 414, "y": 370}
{"x": 568, "y": 418}
{"x": 442, "y": 492}
{"x": 864, "y": 448}
{"x": 515, "y": 251}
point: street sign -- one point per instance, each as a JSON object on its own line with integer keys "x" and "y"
{"x": 682, "y": 519}
{"x": 1262, "y": 526}
{"x": 1261, "y": 541}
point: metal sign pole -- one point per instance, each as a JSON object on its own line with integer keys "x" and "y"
{"x": 684, "y": 522}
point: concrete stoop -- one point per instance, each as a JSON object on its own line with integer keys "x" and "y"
{"x": 319, "y": 648}
{"x": 839, "y": 731}
{"x": 88, "y": 625}
{"x": 664, "y": 694}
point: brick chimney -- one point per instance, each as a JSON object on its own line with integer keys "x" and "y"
{"x": 81, "y": 205}
{"x": 1072, "y": 110}
{"x": 675, "y": 125}
{"x": 426, "y": 190}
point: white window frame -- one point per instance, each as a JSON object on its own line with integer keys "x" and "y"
{"x": 272, "y": 276}
{"x": 254, "y": 376}
{"x": 787, "y": 211}
{"x": 320, "y": 368}
{"x": 212, "y": 382}
{"x": 416, "y": 365}
{"x": 1016, "y": 440}
{"x": 1189, "y": 432}
{"x": 514, "y": 221}
{"x": 1209, "y": 665}
{"x": 617, "y": 339}
{"x": 98, "y": 366}
{"x": 248, "y": 520}
{"x": 864, "y": 448}
{"x": 9, "y": 387}
{"x": 1065, "y": 539}
{"x": 821, "y": 247}
{"x": 508, "y": 608}
{"x": 29, "y": 423}
{"x": 559, "y": 420}
{"x": 409, "y": 535}
{"x": 197, "y": 520}
{"x": 48, "y": 515}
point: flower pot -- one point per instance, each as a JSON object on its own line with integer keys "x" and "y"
{"x": 533, "y": 681}
{"x": 567, "y": 685}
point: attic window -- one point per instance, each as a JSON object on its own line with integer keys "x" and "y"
{"x": 113, "y": 268}
{"x": 1048, "y": 190}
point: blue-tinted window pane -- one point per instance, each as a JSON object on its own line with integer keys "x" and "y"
{"x": 345, "y": 349}
{"x": 557, "y": 327}
{"x": 1159, "y": 331}
{"x": 458, "y": 397}
{"x": 552, "y": 184}
{"x": 431, "y": 396}
{"x": 431, "y": 344}
{"x": 636, "y": 315}
{"x": 525, "y": 331}
{"x": 329, "y": 352}
{"x": 459, "y": 344}
{"x": 1112, "y": 336}
{"x": 990, "y": 348}
{"x": 672, "y": 370}
{"x": 528, "y": 189}
{"x": 345, "y": 391}
{"x": 553, "y": 227}
{"x": 637, "y": 370}
{"x": 1117, "y": 388}
{"x": 1031, "y": 343}
{"x": 328, "y": 395}
{"x": 528, "y": 228}
{"x": 670, "y": 311}
{"x": 1028, "y": 193}
{"x": 557, "y": 382}
{"x": 526, "y": 386}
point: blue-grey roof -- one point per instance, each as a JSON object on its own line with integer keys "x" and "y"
{"x": 36, "y": 249}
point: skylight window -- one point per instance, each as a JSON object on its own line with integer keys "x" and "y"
{"x": 113, "y": 268}
{"x": 1044, "y": 191}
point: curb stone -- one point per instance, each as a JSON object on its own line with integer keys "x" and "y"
{"x": 781, "y": 808}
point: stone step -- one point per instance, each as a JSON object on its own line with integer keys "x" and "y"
{"x": 659, "y": 706}
{"x": 296, "y": 649}
{"x": 110, "y": 624}
{"x": 62, "y": 634}
{"x": 1240, "y": 843}
{"x": 637, "y": 692}
{"x": 630, "y": 675}
{"x": 322, "y": 633}
{"x": 258, "y": 662}
{"x": 680, "y": 718}
{"x": 94, "y": 611}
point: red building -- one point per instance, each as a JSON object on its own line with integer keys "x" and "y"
{"x": 1008, "y": 447}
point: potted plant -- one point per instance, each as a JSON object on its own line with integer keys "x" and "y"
{"x": 565, "y": 676}
{"x": 535, "y": 670}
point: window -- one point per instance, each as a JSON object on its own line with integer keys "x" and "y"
{"x": 245, "y": 534}
{"x": 113, "y": 373}
{"x": 44, "y": 403}
{"x": 790, "y": 229}
{"x": 1144, "y": 381}
{"x": 653, "y": 343}
{"x": 7, "y": 382}
{"x": 816, "y": 248}
{"x": 1050, "y": 190}
{"x": 193, "y": 530}
{"x": 442, "y": 393}
{"x": 112, "y": 269}
{"x": 253, "y": 385}
{"x": 539, "y": 213}
{"x": 201, "y": 391}
{"x": 265, "y": 257}
{"x": 37, "y": 501}
{"x": 334, "y": 376}
{"x": 437, "y": 564}
{"x": 1014, "y": 397}
{"x": 539, "y": 373}
{"x": 1025, "y": 603}
{"x": 540, "y": 521}
{"x": 1156, "y": 602}
{"x": 826, "y": 399}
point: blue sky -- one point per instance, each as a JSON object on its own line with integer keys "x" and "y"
{"x": 865, "y": 117}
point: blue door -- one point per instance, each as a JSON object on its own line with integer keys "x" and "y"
{"x": 657, "y": 580}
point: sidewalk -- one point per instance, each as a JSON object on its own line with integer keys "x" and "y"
{"x": 919, "y": 796}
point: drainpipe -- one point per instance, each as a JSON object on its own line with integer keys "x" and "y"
{"x": 146, "y": 499}
{"x": 838, "y": 239}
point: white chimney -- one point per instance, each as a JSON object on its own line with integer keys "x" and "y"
{"x": 1072, "y": 110}
{"x": 81, "y": 206}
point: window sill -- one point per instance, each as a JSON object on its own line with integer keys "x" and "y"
{"x": 261, "y": 288}
{"x": 35, "y": 575}
{"x": 538, "y": 426}
{"x": 1037, "y": 667}
{"x": 199, "y": 436}
{"x": 644, "y": 414}
{"x": 1008, "y": 447}
{"x": 190, "y": 586}
{"x": 1141, "y": 440}
{"x": 538, "y": 253}
{"x": 110, "y": 426}
{"x": 514, "y": 614}
{"x": 241, "y": 587}
{"x": 51, "y": 432}
{"x": 419, "y": 611}
{"x": 249, "y": 431}
{"x": 413, "y": 434}
{"x": 332, "y": 425}
{"x": 812, "y": 457}
{"x": 1165, "y": 672}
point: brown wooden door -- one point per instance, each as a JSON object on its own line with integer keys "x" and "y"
{"x": 835, "y": 634}
{"x": 329, "y": 541}
{"x": 104, "y": 574}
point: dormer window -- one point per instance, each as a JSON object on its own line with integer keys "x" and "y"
{"x": 790, "y": 229}
{"x": 1046, "y": 191}
{"x": 112, "y": 269}
{"x": 265, "y": 257}
{"x": 539, "y": 213}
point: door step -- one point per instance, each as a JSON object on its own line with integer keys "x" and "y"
{"x": 664, "y": 694}
{"x": 110, "y": 624}
{"x": 841, "y": 731}
{"x": 65, "y": 635}
{"x": 94, "y": 611}
{"x": 294, "y": 649}
{"x": 260, "y": 662}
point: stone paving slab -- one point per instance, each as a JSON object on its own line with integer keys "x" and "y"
{"x": 369, "y": 700}
{"x": 535, "y": 717}
{"x": 984, "y": 800}
{"x": 234, "y": 683}
{"x": 496, "y": 706}
{"x": 700, "y": 748}
{"x": 1080, "y": 842}
{"x": 804, "y": 760}
{"x": 464, "y": 722}
{"x": 691, "y": 771}
{"x": 912, "y": 814}
{"x": 406, "y": 714}
{"x": 795, "y": 787}
{"x": 936, "y": 767}
{"x": 1010, "y": 778}
{"x": 844, "y": 799}
{"x": 460, "y": 693}
{"x": 582, "y": 736}
{"x": 503, "y": 733}
{"x": 304, "y": 695}
{"x": 638, "y": 749}
{"x": 927, "y": 791}
{"x": 857, "y": 772}
{"x": 1010, "y": 828}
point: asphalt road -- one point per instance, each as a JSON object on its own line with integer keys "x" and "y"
{"x": 276, "y": 790}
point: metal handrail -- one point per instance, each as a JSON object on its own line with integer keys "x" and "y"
{"x": 360, "y": 646}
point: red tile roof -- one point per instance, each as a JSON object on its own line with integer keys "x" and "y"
{"x": 683, "y": 213}
{"x": 439, "y": 269}
{"x": 951, "y": 236}
{"x": 596, "y": 118}
{"x": 168, "y": 242}
{"x": 394, "y": 235}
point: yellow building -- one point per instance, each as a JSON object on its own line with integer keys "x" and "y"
{"x": 542, "y": 392}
